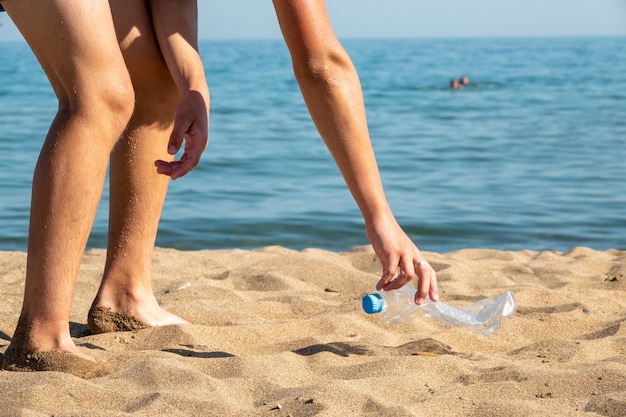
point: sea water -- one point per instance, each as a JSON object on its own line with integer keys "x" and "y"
{"x": 530, "y": 156}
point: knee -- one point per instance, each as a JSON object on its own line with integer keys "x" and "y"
{"x": 105, "y": 101}
{"x": 116, "y": 101}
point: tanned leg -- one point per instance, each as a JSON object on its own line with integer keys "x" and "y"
{"x": 125, "y": 300}
{"x": 74, "y": 40}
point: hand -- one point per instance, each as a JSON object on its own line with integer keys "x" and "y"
{"x": 401, "y": 260}
{"x": 191, "y": 125}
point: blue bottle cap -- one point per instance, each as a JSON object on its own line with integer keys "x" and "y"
{"x": 372, "y": 303}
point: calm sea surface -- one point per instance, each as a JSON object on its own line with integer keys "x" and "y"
{"x": 533, "y": 156}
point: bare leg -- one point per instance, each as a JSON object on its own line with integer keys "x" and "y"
{"x": 76, "y": 46}
{"x": 332, "y": 92}
{"x": 137, "y": 191}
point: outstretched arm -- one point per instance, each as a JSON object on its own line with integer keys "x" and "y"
{"x": 332, "y": 92}
{"x": 176, "y": 27}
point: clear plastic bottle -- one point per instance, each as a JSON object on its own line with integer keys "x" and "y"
{"x": 398, "y": 306}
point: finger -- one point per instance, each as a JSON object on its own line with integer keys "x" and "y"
{"x": 429, "y": 286}
{"x": 163, "y": 167}
{"x": 434, "y": 288}
{"x": 390, "y": 267}
{"x": 180, "y": 170}
{"x": 174, "y": 169}
{"x": 174, "y": 144}
{"x": 398, "y": 282}
{"x": 188, "y": 161}
{"x": 181, "y": 127}
{"x": 407, "y": 273}
{"x": 426, "y": 278}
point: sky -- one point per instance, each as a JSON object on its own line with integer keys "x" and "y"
{"x": 255, "y": 19}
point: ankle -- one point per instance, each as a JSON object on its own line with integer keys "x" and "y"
{"x": 37, "y": 336}
{"x": 123, "y": 299}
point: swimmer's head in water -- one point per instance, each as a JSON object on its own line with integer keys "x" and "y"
{"x": 454, "y": 84}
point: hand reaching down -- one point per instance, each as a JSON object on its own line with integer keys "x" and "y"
{"x": 401, "y": 261}
{"x": 191, "y": 126}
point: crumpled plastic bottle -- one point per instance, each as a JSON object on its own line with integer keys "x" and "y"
{"x": 398, "y": 306}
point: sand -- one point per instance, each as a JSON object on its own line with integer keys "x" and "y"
{"x": 278, "y": 332}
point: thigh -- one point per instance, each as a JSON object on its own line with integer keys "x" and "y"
{"x": 140, "y": 48}
{"x": 74, "y": 41}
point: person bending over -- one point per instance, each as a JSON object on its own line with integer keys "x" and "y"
{"x": 131, "y": 89}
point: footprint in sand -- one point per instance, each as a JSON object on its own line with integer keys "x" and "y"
{"x": 564, "y": 308}
{"x": 260, "y": 282}
{"x": 497, "y": 374}
{"x": 609, "y": 331}
{"x": 613, "y": 405}
{"x": 423, "y": 347}
{"x": 548, "y": 350}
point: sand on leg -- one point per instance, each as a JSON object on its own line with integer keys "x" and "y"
{"x": 125, "y": 300}
{"x": 76, "y": 46}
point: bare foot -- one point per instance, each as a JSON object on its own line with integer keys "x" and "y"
{"x": 75, "y": 351}
{"x": 103, "y": 319}
{"x": 158, "y": 316}
{"x": 53, "y": 362}
{"x": 31, "y": 350}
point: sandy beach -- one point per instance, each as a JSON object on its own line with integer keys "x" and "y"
{"x": 278, "y": 332}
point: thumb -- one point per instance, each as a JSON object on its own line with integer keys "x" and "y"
{"x": 176, "y": 137}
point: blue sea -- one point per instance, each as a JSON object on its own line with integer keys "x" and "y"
{"x": 532, "y": 155}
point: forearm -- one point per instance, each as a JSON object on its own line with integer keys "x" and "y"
{"x": 332, "y": 91}
{"x": 176, "y": 27}
{"x": 335, "y": 102}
